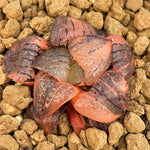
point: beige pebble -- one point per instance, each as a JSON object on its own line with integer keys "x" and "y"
{"x": 95, "y": 19}
{"x": 101, "y": 5}
{"x": 41, "y": 13}
{"x": 8, "y": 143}
{"x": 31, "y": 12}
{"x": 142, "y": 19}
{"x": 3, "y": 3}
{"x": 25, "y": 23}
{"x": 131, "y": 26}
{"x": 8, "y": 42}
{"x": 41, "y": 4}
{"x": 115, "y": 130}
{"x": 59, "y": 141}
{"x": 42, "y": 25}
{"x": 145, "y": 88}
{"x": 136, "y": 108}
{"x": 25, "y": 4}
{"x": 134, "y": 5}
{"x": 126, "y": 19}
{"x": 3, "y": 78}
{"x": 56, "y": 8}
{"x": 139, "y": 63}
{"x": 38, "y": 136}
{"x": 131, "y": 38}
{"x": 147, "y": 111}
{"x": 75, "y": 12}
{"x": 112, "y": 26}
{"x": 117, "y": 12}
{"x": 137, "y": 142}
{"x": 96, "y": 138}
{"x": 2, "y": 46}
{"x": 2, "y": 24}
{"x": 145, "y": 32}
{"x": 83, "y": 138}
{"x": 17, "y": 95}
{"x": 34, "y": 2}
{"x": 8, "y": 124}
{"x": 118, "y": 2}
{"x": 13, "y": 10}
{"x": 29, "y": 126}
{"x": 141, "y": 99}
{"x": 140, "y": 45}
{"x": 22, "y": 138}
{"x": 146, "y": 5}
{"x": 82, "y": 4}
{"x": 73, "y": 141}
{"x": 64, "y": 125}
{"x": 26, "y": 32}
{"x": 133, "y": 123}
{"x": 45, "y": 145}
{"x": 12, "y": 28}
{"x": 9, "y": 109}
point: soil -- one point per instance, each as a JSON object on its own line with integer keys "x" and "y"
{"x": 127, "y": 18}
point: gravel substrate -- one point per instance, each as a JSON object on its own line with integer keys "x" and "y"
{"x": 127, "y": 18}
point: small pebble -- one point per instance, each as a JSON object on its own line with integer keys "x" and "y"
{"x": 12, "y": 28}
{"x": 3, "y": 78}
{"x": 9, "y": 109}
{"x": 112, "y": 26}
{"x": 17, "y": 95}
{"x": 64, "y": 125}
{"x": 140, "y": 45}
{"x": 145, "y": 32}
{"x": 115, "y": 132}
{"x": 59, "y": 141}
{"x": 148, "y": 135}
{"x": 117, "y": 12}
{"x": 22, "y": 138}
{"x": 25, "y": 4}
{"x": 56, "y": 8}
{"x": 45, "y": 145}
{"x": 25, "y": 32}
{"x": 38, "y": 136}
{"x": 42, "y": 25}
{"x": 126, "y": 20}
{"x": 136, "y": 108}
{"x": 13, "y": 10}
{"x": 82, "y": 4}
{"x": 8, "y": 143}
{"x": 137, "y": 142}
{"x": 95, "y": 19}
{"x": 107, "y": 147}
{"x": 96, "y": 138}
{"x": 8, "y": 124}
{"x": 131, "y": 38}
{"x": 101, "y": 5}
{"x": 8, "y": 42}
{"x": 133, "y": 123}
{"x": 29, "y": 126}
{"x": 75, "y": 12}
{"x": 73, "y": 141}
{"x": 134, "y": 5}
{"x": 83, "y": 138}
{"x": 145, "y": 88}
{"x": 142, "y": 19}
{"x": 3, "y": 3}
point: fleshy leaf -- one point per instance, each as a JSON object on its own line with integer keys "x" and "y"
{"x": 55, "y": 62}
